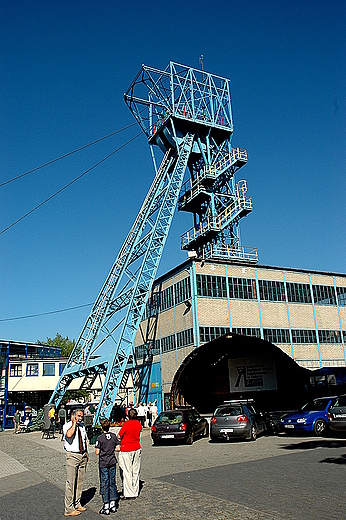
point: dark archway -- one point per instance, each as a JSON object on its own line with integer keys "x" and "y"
{"x": 235, "y": 366}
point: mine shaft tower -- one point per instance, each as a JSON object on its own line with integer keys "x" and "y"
{"x": 187, "y": 114}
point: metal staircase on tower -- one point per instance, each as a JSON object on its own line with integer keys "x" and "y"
{"x": 186, "y": 113}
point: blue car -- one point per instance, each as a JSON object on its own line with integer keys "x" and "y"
{"x": 313, "y": 417}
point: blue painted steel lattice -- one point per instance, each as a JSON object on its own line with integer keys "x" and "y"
{"x": 187, "y": 114}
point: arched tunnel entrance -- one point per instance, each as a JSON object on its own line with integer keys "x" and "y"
{"x": 234, "y": 366}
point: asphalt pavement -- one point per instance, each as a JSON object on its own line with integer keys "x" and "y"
{"x": 272, "y": 478}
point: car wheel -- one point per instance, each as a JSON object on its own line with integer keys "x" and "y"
{"x": 205, "y": 431}
{"x": 320, "y": 427}
{"x": 212, "y": 438}
{"x": 253, "y": 433}
{"x": 189, "y": 439}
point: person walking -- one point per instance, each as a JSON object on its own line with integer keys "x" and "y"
{"x": 130, "y": 455}
{"x": 76, "y": 462}
{"x": 106, "y": 445}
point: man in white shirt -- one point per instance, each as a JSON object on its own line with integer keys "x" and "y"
{"x": 76, "y": 446}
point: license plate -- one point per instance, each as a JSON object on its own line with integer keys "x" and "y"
{"x": 289, "y": 425}
{"x": 167, "y": 436}
{"x": 226, "y": 430}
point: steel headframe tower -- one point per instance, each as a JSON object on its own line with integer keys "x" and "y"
{"x": 187, "y": 114}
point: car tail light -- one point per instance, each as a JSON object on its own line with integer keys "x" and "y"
{"x": 330, "y": 418}
{"x": 242, "y": 418}
{"x": 182, "y": 427}
{"x": 213, "y": 420}
{"x": 153, "y": 428}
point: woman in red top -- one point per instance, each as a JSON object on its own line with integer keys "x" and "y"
{"x": 130, "y": 455}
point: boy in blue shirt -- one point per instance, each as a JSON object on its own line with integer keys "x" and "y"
{"x": 105, "y": 448}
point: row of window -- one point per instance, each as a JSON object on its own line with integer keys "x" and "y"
{"x": 184, "y": 338}
{"x": 269, "y": 290}
{"x": 275, "y": 335}
{"x": 167, "y": 298}
{"x": 214, "y": 286}
{"x": 32, "y": 369}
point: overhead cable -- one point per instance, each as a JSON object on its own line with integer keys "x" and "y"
{"x": 47, "y": 313}
{"x": 67, "y": 154}
{"x": 69, "y": 184}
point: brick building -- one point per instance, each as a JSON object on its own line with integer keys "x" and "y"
{"x": 303, "y": 313}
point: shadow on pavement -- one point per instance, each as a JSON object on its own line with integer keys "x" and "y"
{"x": 314, "y": 444}
{"x": 335, "y": 460}
{"x": 88, "y": 495}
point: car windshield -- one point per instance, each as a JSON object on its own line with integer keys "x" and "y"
{"x": 170, "y": 418}
{"x": 317, "y": 405}
{"x": 225, "y": 411}
{"x": 341, "y": 401}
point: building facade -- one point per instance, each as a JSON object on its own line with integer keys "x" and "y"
{"x": 302, "y": 312}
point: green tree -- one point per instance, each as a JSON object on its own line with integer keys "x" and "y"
{"x": 65, "y": 344}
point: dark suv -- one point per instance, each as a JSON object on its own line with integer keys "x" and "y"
{"x": 234, "y": 419}
{"x": 337, "y": 414}
{"x": 184, "y": 425}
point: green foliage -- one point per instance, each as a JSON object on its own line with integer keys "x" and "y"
{"x": 76, "y": 395}
{"x": 65, "y": 344}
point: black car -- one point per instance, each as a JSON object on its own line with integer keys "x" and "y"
{"x": 179, "y": 425}
{"x": 237, "y": 419}
{"x": 337, "y": 414}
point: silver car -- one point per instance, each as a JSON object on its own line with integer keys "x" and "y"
{"x": 337, "y": 414}
{"x": 236, "y": 419}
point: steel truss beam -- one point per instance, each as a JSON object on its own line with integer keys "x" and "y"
{"x": 116, "y": 314}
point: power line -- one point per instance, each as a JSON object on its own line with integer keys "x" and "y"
{"x": 47, "y": 313}
{"x": 66, "y": 155}
{"x": 69, "y": 184}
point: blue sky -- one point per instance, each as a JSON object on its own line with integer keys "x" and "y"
{"x": 64, "y": 67}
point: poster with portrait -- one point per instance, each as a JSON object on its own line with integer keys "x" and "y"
{"x": 252, "y": 374}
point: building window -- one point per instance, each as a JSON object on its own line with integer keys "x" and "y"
{"x": 151, "y": 348}
{"x": 303, "y": 336}
{"x": 61, "y": 368}
{"x": 277, "y": 335}
{"x": 324, "y": 294}
{"x": 242, "y": 288}
{"x": 212, "y": 286}
{"x": 271, "y": 290}
{"x": 168, "y": 343}
{"x": 49, "y": 369}
{"x": 184, "y": 338}
{"x": 15, "y": 370}
{"x": 153, "y": 305}
{"x": 247, "y": 331}
{"x": 341, "y": 296}
{"x": 329, "y": 336}
{"x": 298, "y": 292}
{"x": 32, "y": 369}
{"x": 182, "y": 291}
{"x": 167, "y": 298}
{"x": 210, "y": 333}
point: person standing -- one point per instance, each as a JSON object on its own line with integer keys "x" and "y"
{"x": 154, "y": 412}
{"x": 106, "y": 445}
{"x": 141, "y": 413}
{"x": 76, "y": 462}
{"x": 61, "y": 417}
{"x": 16, "y": 421}
{"x": 130, "y": 455}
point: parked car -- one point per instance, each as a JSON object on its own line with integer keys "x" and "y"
{"x": 237, "y": 418}
{"x": 179, "y": 425}
{"x": 337, "y": 414}
{"x": 312, "y": 417}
